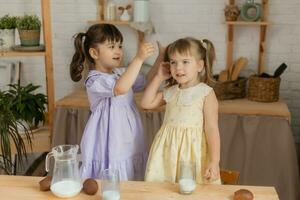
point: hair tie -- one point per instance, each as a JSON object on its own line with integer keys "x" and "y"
{"x": 203, "y": 44}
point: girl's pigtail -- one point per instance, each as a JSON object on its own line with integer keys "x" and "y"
{"x": 171, "y": 81}
{"x": 77, "y": 64}
{"x": 209, "y": 60}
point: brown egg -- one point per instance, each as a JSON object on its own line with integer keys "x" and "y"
{"x": 45, "y": 183}
{"x": 243, "y": 194}
{"x": 90, "y": 186}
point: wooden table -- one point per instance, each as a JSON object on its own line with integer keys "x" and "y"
{"x": 256, "y": 138}
{"x": 27, "y": 188}
{"x": 78, "y": 99}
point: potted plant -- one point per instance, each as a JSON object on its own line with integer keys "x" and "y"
{"x": 10, "y": 135}
{"x": 7, "y": 32}
{"x": 28, "y": 105}
{"x": 29, "y": 27}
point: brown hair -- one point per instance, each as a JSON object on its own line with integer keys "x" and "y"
{"x": 201, "y": 49}
{"x": 98, "y": 33}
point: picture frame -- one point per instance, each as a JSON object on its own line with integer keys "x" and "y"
{"x": 9, "y": 74}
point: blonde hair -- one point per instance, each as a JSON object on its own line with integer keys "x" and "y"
{"x": 201, "y": 49}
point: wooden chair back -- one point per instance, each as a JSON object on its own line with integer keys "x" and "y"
{"x": 229, "y": 177}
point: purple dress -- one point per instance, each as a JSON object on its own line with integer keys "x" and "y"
{"x": 113, "y": 136}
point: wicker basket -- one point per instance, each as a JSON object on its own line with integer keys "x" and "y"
{"x": 230, "y": 89}
{"x": 263, "y": 89}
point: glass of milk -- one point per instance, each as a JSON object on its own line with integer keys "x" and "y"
{"x": 110, "y": 184}
{"x": 187, "y": 177}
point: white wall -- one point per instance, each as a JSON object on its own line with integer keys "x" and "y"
{"x": 173, "y": 19}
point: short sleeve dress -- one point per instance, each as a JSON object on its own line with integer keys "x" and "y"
{"x": 181, "y": 137}
{"x": 113, "y": 136}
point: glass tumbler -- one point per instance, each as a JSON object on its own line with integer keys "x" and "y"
{"x": 110, "y": 184}
{"x": 187, "y": 177}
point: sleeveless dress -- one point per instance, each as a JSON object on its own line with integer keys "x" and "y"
{"x": 113, "y": 136}
{"x": 181, "y": 137}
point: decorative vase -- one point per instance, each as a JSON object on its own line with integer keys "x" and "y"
{"x": 231, "y": 12}
{"x": 7, "y": 39}
{"x": 125, "y": 16}
{"x": 141, "y": 11}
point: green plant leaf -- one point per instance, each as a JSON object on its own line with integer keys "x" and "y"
{"x": 8, "y": 22}
{"x": 26, "y": 104}
{"x": 28, "y": 22}
{"x": 9, "y": 128}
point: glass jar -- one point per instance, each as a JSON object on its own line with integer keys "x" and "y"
{"x": 110, "y": 11}
{"x": 141, "y": 11}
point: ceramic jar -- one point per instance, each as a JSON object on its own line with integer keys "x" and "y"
{"x": 141, "y": 11}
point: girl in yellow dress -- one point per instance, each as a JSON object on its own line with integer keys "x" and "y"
{"x": 190, "y": 128}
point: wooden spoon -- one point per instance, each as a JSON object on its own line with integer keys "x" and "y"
{"x": 238, "y": 66}
{"x": 223, "y": 76}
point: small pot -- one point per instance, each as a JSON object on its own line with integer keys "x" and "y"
{"x": 29, "y": 37}
{"x": 7, "y": 39}
{"x": 28, "y": 127}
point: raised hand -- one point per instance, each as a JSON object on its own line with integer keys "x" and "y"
{"x": 164, "y": 72}
{"x": 161, "y": 49}
{"x": 145, "y": 50}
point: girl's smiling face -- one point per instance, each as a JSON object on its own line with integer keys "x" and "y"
{"x": 185, "y": 69}
{"x": 110, "y": 55}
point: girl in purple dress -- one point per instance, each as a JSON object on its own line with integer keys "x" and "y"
{"x": 113, "y": 136}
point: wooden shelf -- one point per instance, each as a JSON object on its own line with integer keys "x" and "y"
{"x": 19, "y": 53}
{"x": 108, "y": 22}
{"x": 244, "y": 23}
{"x": 263, "y": 24}
{"x": 100, "y": 20}
{"x": 141, "y": 35}
{"x": 41, "y": 139}
{"x": 47, "y": 53}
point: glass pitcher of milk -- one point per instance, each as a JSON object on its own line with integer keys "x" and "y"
{"x": 66, "y": 181}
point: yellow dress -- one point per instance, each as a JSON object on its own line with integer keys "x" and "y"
{"x": 181, "y": 137}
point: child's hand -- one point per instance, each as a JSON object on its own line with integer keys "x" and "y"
{"x": 164, "y": 71}
{"x": 212, "y": 172}
{"x": 161, "y": 49}
{"x": 145, "y": 50}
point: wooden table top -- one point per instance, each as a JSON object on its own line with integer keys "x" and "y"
{"x": 27, "y": 188}
{"x": 78, "y": 99}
